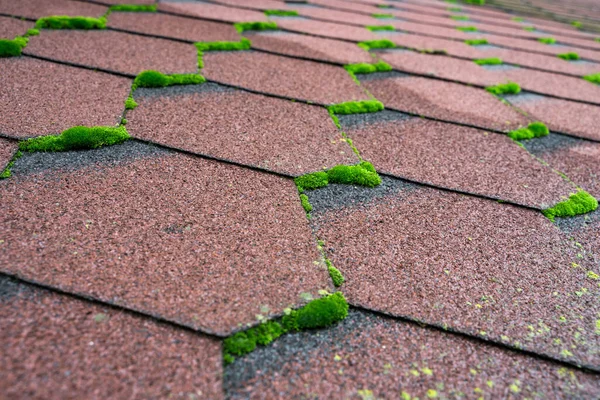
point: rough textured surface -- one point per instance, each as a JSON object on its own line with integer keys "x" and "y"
{"x": 492, "y": 270}
{"x": 366, "y": 355}
{"x": 212, "y": 11}
{"x": 444, "y": 100}
{"x": 62, "y": 97}
{"x": 37, "y": 9}
{"x": 11, "y": 27}
{"x": 278, "y": 135}
{"x": 459, "y": 158}
{"x": 297, "y": 79}
{"x": 7, "y": 149}
{"x": 115, "y": 51}
{"x": 327, "y": 29}
{"x": 193, "y": 241}
{"x": 58, "y": 347}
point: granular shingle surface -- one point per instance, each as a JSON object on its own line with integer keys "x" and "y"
{"x": 7, "y": 149}
{"x": 37, "y": 8}
{"x": 212, "y": 11}
{"x": 62, "y": 97}
{"x": 58, "y": 347}
{"x": 278, "y": 135}
{"x": 12, "y": 27}
{"x": 326, "y": 29}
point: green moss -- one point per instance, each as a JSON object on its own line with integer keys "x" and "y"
{"x": 255, "y": 26}
{"x": 77, "y": 138}
{"x": 547, "y": 40}
{"x": 594, "y": 78}
{"x": 281, "y": 13}
{"x": 570, "y": 56}
{"x": 155, "y": 79}
{"x": 133, "y": 8}
{"x": 382, "y": 16}
{"x": 245, "y": 342}
{"x": 517, "y": 19}
{"x": 7, "y": 171}
{"x": 362, "y": 174}
{"x": 66, "y": 22}
{"x": 384, "y": 6}
{"x": 32, "y": 32}
{"x": 460, "y": 17}
{"x": 529, "y": 28}
{"x": 377, "y": 44}
{"x": 305, "y": 203}
{"x": 476, "y": 2}
{"x": 533, "y": 130}
{"x": 454, "y": 9}
{"x": 335, "y": 274}
{"x": 476, "y": 42}
{"x": 488, "y": 61}
{"x": 577, "y": 24}
{"x": 467, "y": 28}
{"x": 243, "y": 44}
{"x": 12, "y": 48}
{"x": 365, "y": 68}
{"x": 376, "y": 28}
{"x": 130, "y": 103}
{"x": 578, "y": 203}
{"x": 504, "y": 88}
{"x": 312, "y": 181}
{"x": 356, "y": 107}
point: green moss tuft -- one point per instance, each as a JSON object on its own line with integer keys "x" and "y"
{"x": 488, "y": 61}
{"x": 335, "y": 274}
{"x": 77, "y": 138}
{"x": 504, "y": 88}
{"x": 130, "y": 103}
{"x": 312, "y": 181}
{"x": 529, "y": 28}
{"x": 382, "y": 16}
{"x": 376, "y": 28}
{"x": 578, "y": 203}
{"x": 7, "y": 171}
{"x": 384, "y": 6}
{"x": 454, "y": 9}
{"x": 460, "y": 17}
{"x": 594, "y": 78}
{"x": 577, "y": 24}
{"x": 517, "y": 19}
{"x": 155, "y": 79}
{"x": 476, "y": 2}
{"x": 305, "y": 203}
{"x": 547, "y": 40}
{"x": 356, "y": 107}
{"x": 255, "y": 26}
{"x": 245, "y": 342}
{"x": 32, "y": 32}
{"x": 533, "y": 130}
{"x": 476, "y": 42}
{"x": 243, "y": 44}
{"x": 467, "y": 28}
{"x": 365, "y": 68}
{"x": 133, "y": 8}
{"x": 66, "y": 22}
{"x": 377, "y": 44}
{"x": 362, "y": 174}
{"x": 281, "y": 13}
{"x": 570, "y": 56}
{"x": 12, "y": 48}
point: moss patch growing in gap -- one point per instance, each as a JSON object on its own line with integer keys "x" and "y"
{"x": 594, "y": 78}
{"x": 335, "y": 274}
{"x": 382, "y": 16}
{"x": 12, "y": 47}
{"x": 366, "y": 68}
{"x": 578, "y": 203}
{"x": 133, "y": 7}
{"x": 281, "y": 13}
{"x": 488, "y": 61}
{"x": 533, "y": 130}
{"x": 319, "y": 313}
{"x": 504, "y": 88}
{"x": 454, "y": 9}
{"x": 467, "y": 28}
{"x": 356, "y": 107}
{"x": 460, "y": 17}
{"x": 570, "y": 56}
{"x": 32, "y": 32}
{"x": 476, "y": 42}
{"x": 66, "y": 22}
{"x": 362, "y": 174}
{"x": 242, "y": 27}
{"x": 384, "y": 6}
{"x": 547, "y": 40}
{"x": 517, "y": 19}
{"x": 376, "y": 44}
{"x": 155, "y": 79}
{"x": 378, "y": 28}
{"x": 130, "y": 103}
{"x": 529, "y": 28}
{"x": 305, "y": 203}
{"x": 77, "y": 138}
{"x": 7, "y": 171}
{"x": 243, "y": 44}
{"x": 577, "y": 24}
{"x": 476, "y": 2}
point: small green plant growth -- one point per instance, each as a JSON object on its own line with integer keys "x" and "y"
{"x": 14, "y": 47}
{"x": 130, "y": 103}
{"x": 242, "y": 27}
{"x": 281, "y": 13}
{"x": 476, "y": 42}
{"x": 155, "y": 79}
{"x": 7, "y": 171}
{"x": 335, "y": 274}
{"x": 594, "y": 78}
{"x": 384, "y": 6}
{"x": 382, "y": 16}
{"x": 366, "y": 68}
{"x": 305, "y": 203}
{"x": 467, "y": 28}
{"x": 243, "y": 44}
{"x": 454, "y": 9}
{"x": 488, "y": 61}
{"x": 32, "y": 32}
{"x": 517, "y": 19}
{"x": 378, "y": 28}
{"x": 533, "y": 130}
{"x": 77, "y": 138}
{"x": 570, "y": 56}
{"x": 504, "y": 88}
{"x": 578, "y": 203}
{"x": 547, "y": 40}
{"x": 319, "y": 313}
{"x": 577, "y": 24}
{"x": 529, "y": 28}
{"x": 134, "y": 7}
{"x": 376, "y": 44}
{"x": 597, "y": 39}
{"x": 66, "y": 22}
{"x": 361, "y": 174}
{"x": 460, "y": 17}
{"x": 356, "y": 107}
{"x": 476, "y": 2}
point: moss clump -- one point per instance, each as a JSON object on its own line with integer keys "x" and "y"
{"x": 77, "y": 138}
{"x": 376, "y": 44}
{"x": 335, "y": 274}
{"x": 378, "y": 28}
{"x": 133, "y": 8}
{"x": 384, "y": 6}
{"x": 130, "y": 103}
{"x": 242, "y": 27}
{"x": 281, "y": 13}
{"x": 14, "y": 47}
{"x": 319, "y": 313}
{"x": 529, "y": 28}
{"x": 454, "y": 9}
{"x": 155, "y": 79}
{"x": 365, "y": 68}
{"x": 467, "y": 28}
{"x": 460, "y": 17}
{"x": 504, "y": 88}
{"x": 476, "y": 42}
{"x": 594, "y": 78}
{"x": 7, "y": 171}
{"x": 577, "y": 24}
{"x": 517, "y": 19}
{"x": 243, "y": 44}
{"x": 382, "y": 16}
{"x": 476, "y": 2}
{"x": 578, "y": 203}
{"x": 356, "y": 107}
{"x": 533, "y": 130}
{"x": 305, "y": 203}
{"x": 32, "y": 32}
{"x": 488, "y": 61}
{"x": 66, "y": 22}
{"x": 570, "y": 56}
{"x": 547, "y": 40}
{"x": 362, "y": 174}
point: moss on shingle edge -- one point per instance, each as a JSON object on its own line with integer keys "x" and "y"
{"x": 334, "y": 273}
{"x": 67, "y": 22}
{"x": 243, "y": 44}
{"x": 547, "y": 40}
{"x": 362, "y": 174}
{"x": 377, "y": 28}
{"x": 130, "y": 103}
{"x": 77, "y": 138}
{"x": 319, "y": 313}
{"x": 281, "y": 13}
{"x": 476, "y": 42}
{"x": 467, "y": 28}
{"x": 155, "y": 79}
{"x": 382, "y": 16}
{"x": 578, "y": 203}
{"x": 134, "y": 7}
{"x": 504, "y": 88}
{"x": 366, "y": 68}
{"x": 533, "y": 130}
{"x": 376, "y": 44}
{"x": 594, "y": 78}
{"x": 356, "y": 107}
{"x": 242, "y": 27}
{"x": 488, "y": 61}
{"x": 7, "y": 170}
{"x": 460, "y": 17}
{"x": 570, "y": 56}
{"x": 12, "y": 47}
